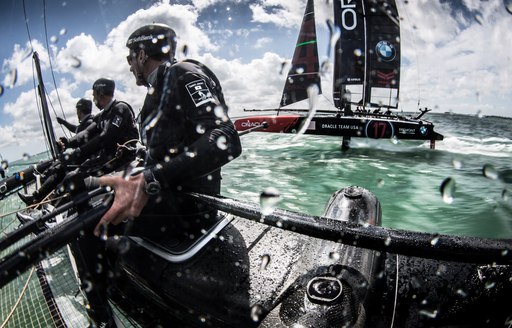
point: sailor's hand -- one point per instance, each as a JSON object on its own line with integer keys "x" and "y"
{"x": 129, "y": 199}
{"x": 60, "y": 120}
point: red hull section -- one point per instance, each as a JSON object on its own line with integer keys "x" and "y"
{"x": 276, "y": 124}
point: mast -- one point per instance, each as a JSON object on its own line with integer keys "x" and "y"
{"x": 47, "y": 121}
{"x": 305, "y": 67}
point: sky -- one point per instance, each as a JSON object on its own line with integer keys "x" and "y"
{"x": 455, "y": 54}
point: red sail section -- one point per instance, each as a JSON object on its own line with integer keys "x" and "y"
{"x": 383, "y": 53}
{"x": 305, "y": 68}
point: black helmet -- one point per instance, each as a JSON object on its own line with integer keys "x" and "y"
{"x": 84, "y": 106}
{"x": 155, "y": 39}
{"x": 104, "y": 86}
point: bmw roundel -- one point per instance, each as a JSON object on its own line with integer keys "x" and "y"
{"x": 385, "y": 50}
{"x": 423, "y": 130}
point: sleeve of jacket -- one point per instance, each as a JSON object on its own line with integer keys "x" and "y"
{"x": 84, "y": 136}
{"x": 218, "y": 142}
{"x": 71, "y": 127}
{"x": 110, "y": 134}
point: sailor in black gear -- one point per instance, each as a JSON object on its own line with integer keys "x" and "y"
{"x": 189, "y": 137}
{"x": 83, "y": 112}
{"x": 97, "y": 143}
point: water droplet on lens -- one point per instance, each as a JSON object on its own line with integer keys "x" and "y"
{"x": 448, "y": 190}
{"x": 430, "y": 314}
{"x": 508, "y": 5}
{"x": 1, "y": 90}
{"x": 26, "y": 156}
{"x": 54, "y": 39}
{"x": 457, "y": 164}
{"x": 265, "y": 260}
{"x": 490, "y": 172}
{"x": 269, "y": 198}
{"x": 256, "y": 312}
{"x": 13, "y": 77}
{"x": 380, "y": 183}
{"x": 200, "y": 129}
{"x": 434, "y": 241}
{"x": 505, "y": 194}
{"x": 165, "y": 49}
{"x": 461, "y": 292}
{"x": 490, "y": 284}
{"x": 62, "y": 31}
{"x": 334, "y": 256}
{"x": 222, "y": 143}
{"x": 75, "y": 62}
{"x": 387, "y": 242}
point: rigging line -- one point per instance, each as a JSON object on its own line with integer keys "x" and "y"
{"x": 15, "y": 306}
{"x": 51, "y": 70}
{"x": 49, "y": 56}
{"x": 26, "y": 25}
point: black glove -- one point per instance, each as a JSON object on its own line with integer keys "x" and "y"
{"x": 60, "y": 120}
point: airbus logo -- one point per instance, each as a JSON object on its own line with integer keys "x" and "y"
{"x": 385, "y": 50}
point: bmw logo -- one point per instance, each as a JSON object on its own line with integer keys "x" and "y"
{"x": 423, "y": 130}
{"x": 385, "y": 50}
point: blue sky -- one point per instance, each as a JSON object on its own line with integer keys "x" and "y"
{"x": 456, "y": 54}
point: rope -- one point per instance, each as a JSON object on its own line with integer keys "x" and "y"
{"x": 44, "y": 201}
{"x": 19, "y": 299}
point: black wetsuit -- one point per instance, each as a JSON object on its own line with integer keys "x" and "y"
{"x": 188, "y": 143}
{"x": 189, "y": 137}
{"x": 97, "y": 142}
{"x": 84, "y": 123}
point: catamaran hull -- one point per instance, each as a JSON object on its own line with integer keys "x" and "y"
{"x": 252, "y": 275}
{"x": 345, "y": 126}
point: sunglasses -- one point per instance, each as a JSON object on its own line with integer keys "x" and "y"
{"x": 130, "y": 57}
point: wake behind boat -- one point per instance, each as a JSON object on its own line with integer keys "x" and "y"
{"x": 366, "y": 80}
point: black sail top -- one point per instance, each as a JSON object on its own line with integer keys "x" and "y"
{"x": 367, "y": 55}
{"x": 305, "y": 67}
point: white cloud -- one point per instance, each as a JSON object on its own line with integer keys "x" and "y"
{"x": 459, "y": 64}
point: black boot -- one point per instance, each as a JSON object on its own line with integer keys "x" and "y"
{"x": 27, "y": 198}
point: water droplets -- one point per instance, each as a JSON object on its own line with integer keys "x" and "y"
{"x": 222, "y": 143}
{"x": 256, "y": 313}
{"x": 434, "y": 241}
{"x": 508, "y": 5}
{"x": 200, "y": 129}
{"x": 490, "y": 172}
{"x": 269, "y": 198}
{"x": 505, "y": 195}
{"x": 447, "y": 190}
{"x": 457, "y": 163}
{"x": 265, "y": 260}
{"x": 334, "y": 35}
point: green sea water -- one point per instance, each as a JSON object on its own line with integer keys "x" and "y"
{"x": 475, "y": 155}
{"x": 473, "y": 163}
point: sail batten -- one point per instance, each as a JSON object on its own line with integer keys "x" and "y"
{"x": 304, "y": 71}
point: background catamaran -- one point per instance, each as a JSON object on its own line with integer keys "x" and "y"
{"x": 366, "y": 79}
